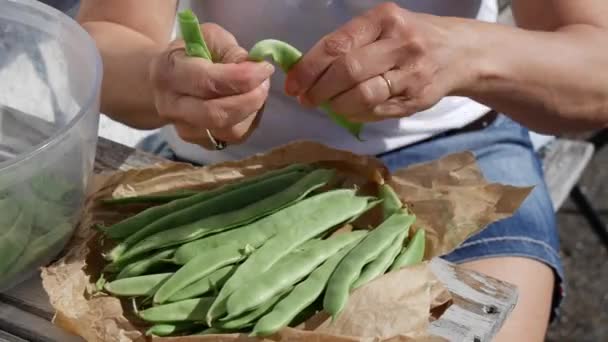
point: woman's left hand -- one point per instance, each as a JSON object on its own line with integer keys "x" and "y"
{"x": 387, "y": 63}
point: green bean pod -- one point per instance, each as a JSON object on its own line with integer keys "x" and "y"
{"x": 191, "y": 310}
{"x": 155, "y": 199}
{"x": 247, "y": 319}
{"x": 199, "y": 267}
{"x": 144, "y": 265}
{"x": 286, "y": 272}
{"x": 390, "y": 200}
{"x": 302, "y": 296}
{"x": 228, "y": 220}
{"x": 349, "y": 269}
{"x": 224, "y": 202}
{"x": 168, "y": 329}
{"x": 137, "y": 286}
{"x": 192, "y": 35}
{"x": 413, "y": 253}
{"x": 136, "y": 222}
{"x": 212, "y": 282}
{"x": 286, "y": 56}
{"x": 381, "y": 264}
{"x": 302, "y": 222}
{"x": 14, "y": 239}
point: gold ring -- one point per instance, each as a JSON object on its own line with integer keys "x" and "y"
{"x": 388, "y": 84}
{"x": 217, "y": 144}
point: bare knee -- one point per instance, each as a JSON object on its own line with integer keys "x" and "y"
{"x": 535, "y": 282}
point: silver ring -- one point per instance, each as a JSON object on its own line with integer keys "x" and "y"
{"x": 217, "y": 144}
{"x": 388, "y": 84}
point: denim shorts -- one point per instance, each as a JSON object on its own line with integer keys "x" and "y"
{"x": 505, "y": 155}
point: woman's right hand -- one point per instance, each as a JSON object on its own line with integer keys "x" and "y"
{"x": 194, "y": 94}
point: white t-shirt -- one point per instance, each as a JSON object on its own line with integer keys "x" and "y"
{"x": 302, "y": 23}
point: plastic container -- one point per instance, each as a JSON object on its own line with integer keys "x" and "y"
{"x": 50, "y": 78}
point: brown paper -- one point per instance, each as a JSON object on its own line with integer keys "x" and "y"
{"x": 449, "y": 196}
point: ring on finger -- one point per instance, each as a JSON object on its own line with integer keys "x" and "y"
{"x": 388, "y": 84}
{"x": 217, "y": 144}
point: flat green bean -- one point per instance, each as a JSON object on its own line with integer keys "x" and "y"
{"x": 166, "y": 329}
{"x": 204, "y": 264}
{"x": 134, "y": 223}
{"x": 247, "y": 319}
{"x": 349, "y": 269}
{"x": 381, "y": 264}
{"x": 302, "y": 222}
{"x": 286, "y": 56}
{"x": 302, "y": 296}
{"x": 156, "y": 198}
{"x": 413, "y": 253}
{"x": 14, "y": 239}
{"x": 224, "y": 202}
{"x": 212, "y": 282}
{"x": 191, "y": 310}
{"x": 144, "y": 265}
{"x": 137, "y": 286}
{"x": 229, "y": 220}
{"x": 390, "y": 200}
{"x": 286, "y": 272}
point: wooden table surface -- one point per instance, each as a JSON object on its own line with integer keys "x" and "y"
{"x": 481, "y": 304}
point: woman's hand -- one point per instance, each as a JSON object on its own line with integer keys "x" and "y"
{"x": 387, "y": 63}
{"x": 194, "y": 94}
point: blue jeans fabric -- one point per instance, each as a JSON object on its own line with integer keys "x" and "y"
{"x": 505, "y": 155}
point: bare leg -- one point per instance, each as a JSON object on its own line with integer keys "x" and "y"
{"x": 535, "y": 283}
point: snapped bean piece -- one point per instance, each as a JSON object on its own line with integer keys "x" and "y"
{"x": 286, "y": 56}
{"x": 390, "y": 200}
{"x": 413, "y": 253}
{"x": 287, "y": 271}
{"x": 201, "y": 266}
{"x": 134, "y": 223}
{"x": 192, "y": 35}
{"x": 221, "y": 203}
{"x": 301, "y": 222}
{"x": 169, "y": 329}
{"x": 302, "y": 297}
{"x": 381, "y": 264}
{"x": 229, "y": 220}
{"x": 190, "y": 310}
{"x": 349, "y": 269}
{"x": 212, "y": 282}
{"x": 137, "y": 286}
{"x": 144, "y": 265}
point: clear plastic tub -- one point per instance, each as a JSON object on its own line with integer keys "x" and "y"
{"x": 50, "y": 77}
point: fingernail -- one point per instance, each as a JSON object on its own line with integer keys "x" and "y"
{"x": 269, "y": 67}
{"x": 291, "y": 87}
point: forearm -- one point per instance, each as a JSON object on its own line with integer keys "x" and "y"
{"x": 126, "y": 89}
{"x": 549, "y": 81}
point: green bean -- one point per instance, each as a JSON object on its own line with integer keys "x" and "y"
{"x": 286, "y": 56}
{"x": 191, "y": 310}
{"x": 144, "y": 265}
{"x": 247, "y": 319}
{"x": 134, "y": 223}
{"x": 301, "y": 298}
{"x": 137, "y": 286}
{"x": 224, "y": 202}
{"x": 303, "y": 221}
{"x": 212, "y": 331}
{"x": 14, "y": 239}
{"x": 286, "y": 272}
{"x": 225, "y": 221}
{"x": 156, "y": 198}
{"x": 349, "y": 269}
{"x": 192, "y": 35}
{"x": 381, "y": 264}
{"x": 213, "y": 281}
{"x": 204, "y": 264}
{"x": 168, "y": 329}
{"x": 413, "y": 253}
{"x": 391, "y": 202}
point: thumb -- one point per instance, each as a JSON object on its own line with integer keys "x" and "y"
{"x": 222, "y": 44}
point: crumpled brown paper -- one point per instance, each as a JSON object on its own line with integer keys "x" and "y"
{"x": 449, "y": 196}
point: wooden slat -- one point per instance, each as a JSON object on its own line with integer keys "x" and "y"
{"x": 563, "y": 164}
{"x": 481, "y": 304}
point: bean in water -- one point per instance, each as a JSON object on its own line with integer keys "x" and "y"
{"x": 349, "y": 269}
{"x": 235, "y": 218}
{"x": 302, "y": 222}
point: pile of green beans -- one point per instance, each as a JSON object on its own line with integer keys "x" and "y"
{"x": 257, "y": 255}
{"x": 270, "y": 262}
